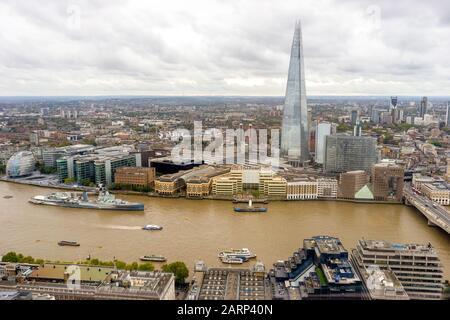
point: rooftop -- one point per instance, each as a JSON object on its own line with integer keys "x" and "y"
{"x": 390, "y": 246}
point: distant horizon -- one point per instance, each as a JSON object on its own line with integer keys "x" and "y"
{"x": 214, "y": 96}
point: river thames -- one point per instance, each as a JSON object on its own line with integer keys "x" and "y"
{"x": 199, "y": 229}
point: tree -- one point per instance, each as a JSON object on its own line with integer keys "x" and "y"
{"x": 85, "y": 182}
{"x": 179, "y": 269}
{"x": 10, "y": 257}
{"x": 121, "y": 265}
{"x": 133, "y": 266}
{"x": 69, "y": 180}
{"x": 146, "y": 267}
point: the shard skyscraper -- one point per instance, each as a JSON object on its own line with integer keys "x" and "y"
{"x": 294, "y": 132}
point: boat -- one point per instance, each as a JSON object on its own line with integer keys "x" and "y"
{"x": 68, "y": 243}
{"x": 233, "y": 260}
{"x": 250, "y": 208}
{"x": 153, "y": 258}
{"x": 152, "y": 227}
{"x": 104, "y": 201}
{"x": 243, "y": 253}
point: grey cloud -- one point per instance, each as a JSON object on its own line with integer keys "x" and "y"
{"x": 223, "y": 47}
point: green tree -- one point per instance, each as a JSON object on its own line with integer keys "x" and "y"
{"x": 179, "y": 269}
{"x": 85, "y": 182}
{"x": 10, "y": 257}
{"x": 146, "y": 267}
{"x": 28, "y": 259}
{"x": 133, "y": 266}
{"x": 121, "y": 265}
{"x": 69, "y": 180}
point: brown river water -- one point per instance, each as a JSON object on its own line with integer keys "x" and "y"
{"x": 199, "y": 229}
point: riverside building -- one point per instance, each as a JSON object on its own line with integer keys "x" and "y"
{"x": 387, "y": 180}
{"x": 351, "y": 182}
{"x": 302, "y": 188}
{"x": 50, "y": 156}
{"x": 437, "y": 191}
{"x": 416, "y": 266}
{"x": 321, "y": 269}
{"x": 382, "y": 284}
{"x": 96, "y": 168}
{"x": 135, "y": 177}
{"x": 196, "y": 182}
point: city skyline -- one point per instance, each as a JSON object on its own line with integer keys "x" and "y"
{"x": 142, "y": 49}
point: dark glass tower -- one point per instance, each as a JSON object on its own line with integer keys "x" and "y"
{"x": 294, "y": 134}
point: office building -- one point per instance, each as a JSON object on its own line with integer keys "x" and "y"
{"x": 416, "y": 266}
{"x": 437, "y": 191}
{"x": 381, "y": 284}
{"x": 165, "y": 165}
{"x": 302, "y": 188}
{"x": 199, "y": 184}
{"x": 347, "y": 153}
{"x": 196, "y": 182}
{"x": 229, "y": 283}
{"x": 387, "y": 181}
{"x": 294, "y": 132}
{"x": 423, "y": 107}
{"x": 248, "y": 177}
{"x": 351, "y": 182}
{"x": 321, "y": 269}
{"x": 447, "y": 116}
{"x": 51, "y": 155}
{"x": 96, "y": 283}
{"x": 275, "y": 187}
{"x": 98, "y": 167}
{"x": 327, "y": 188}
{"x": 354, "y": 117}
{"x": 20, "y": 164}
{"x": 135, "y": 176}
{"x": 323, "y": 129}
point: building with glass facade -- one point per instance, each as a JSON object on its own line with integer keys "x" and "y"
{"x": 50, "y": 156}
{"x": 20, "y": 164}
{"x": 323, "y": 130}
{"x": 98, "y": 167}
{"x": 294, "y": 134}
{"x": 348, "y": 153}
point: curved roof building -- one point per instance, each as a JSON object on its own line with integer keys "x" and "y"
{"x": 20, "y": 164}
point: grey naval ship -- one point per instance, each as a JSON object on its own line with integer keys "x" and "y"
{"x": 104, "y": 201}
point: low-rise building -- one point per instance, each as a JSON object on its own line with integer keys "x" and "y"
{"x": 229, "y": 284}
{"x": 382, "y": 284}
{"x": 437, "y": 191}
{"x": 199, "y": 184}
{"x": 275, "y": 187}
{"x": 302, "y": 188}
{"x": 135, "y": 176}
{"x": 81, "y": 282}
{"x": 327, "y": 188}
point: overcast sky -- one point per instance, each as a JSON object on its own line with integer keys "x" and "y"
{"x": 229, "y": 47}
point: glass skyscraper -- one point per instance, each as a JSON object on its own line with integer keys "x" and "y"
{"x": 294, "y": 134}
